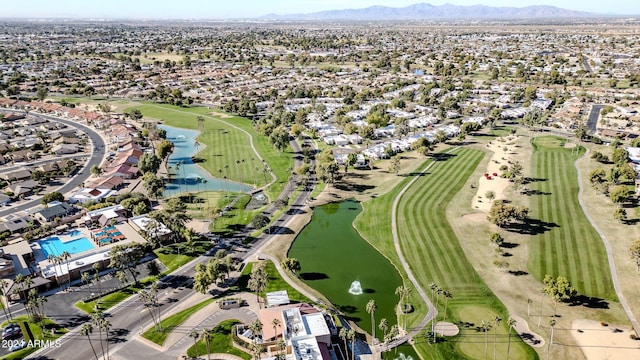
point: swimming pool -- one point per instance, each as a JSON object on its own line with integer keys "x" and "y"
{"x": 53, "y": 246}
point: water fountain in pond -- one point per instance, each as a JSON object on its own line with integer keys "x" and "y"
{"x": 355, "y": 288}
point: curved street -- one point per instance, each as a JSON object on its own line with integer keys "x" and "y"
{"x": 97, "y": 156}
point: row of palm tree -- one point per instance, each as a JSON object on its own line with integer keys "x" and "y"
{"x": 58, "y": 260}
{"x": 206, "y": 335}
{"x": 103, "y": 325}
{"x": 437, "y": 291}
{"x": 5, "y": 302}
{"x": 486, "y": 327}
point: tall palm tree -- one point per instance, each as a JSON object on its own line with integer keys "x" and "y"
{"x": 343, "y": 334}
{"x": 447, "y": 295}
{"x": 384, "y": 326}
{"x": 85, "y": 277}
{"x": 371, "y": 309}
{"x": 177, "y": 167}
{"x": 54, "y": 261}
{"x": 352, "y": 335}
{"x": 276, "y": 323}
{"x": 195, "y": 334}
{"x": 105, "y": 325}
{"x": 207, "y": 335}
{"x": 65, "y": 256}
{"x": 3, "y": 285}
{"x": 86, "y": 330}
{"x": 96, "y": 318}
{"x": 496, "y": 321}
{"x": 96, "y": 267}
{"x": 511, "y": 322}
{"x": 486, "y": 326}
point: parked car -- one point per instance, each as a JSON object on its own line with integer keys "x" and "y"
{"x": 18, "y": 346}
{"x": 10, "y": 331}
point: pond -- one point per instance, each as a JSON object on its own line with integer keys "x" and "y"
{"x": 190, "y": 177}
{"x": 340, "y": 264}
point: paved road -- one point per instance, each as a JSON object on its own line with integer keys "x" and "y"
{"x": 612, "y": 266}
{"x": 592, "y": 122}
{"x": 98, "y": 155}
{"x": 128, "y": 317}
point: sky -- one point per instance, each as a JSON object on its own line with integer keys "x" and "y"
{"x": 234, "y": 9}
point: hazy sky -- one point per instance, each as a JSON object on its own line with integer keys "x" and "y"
{"x": 224, "y": 9}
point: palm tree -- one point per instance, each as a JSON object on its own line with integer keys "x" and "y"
{"x": 86, "y": 330}
{"x": 3, "y": 285}
{"x": 54, "y": 261}
{"x": 195, "y": 335}
{"x": 276, "y": 323}
{"x": 96, "y": 318}
{"x": 177, "y": 169}
{"x": 384, "y": 326}
{"x": 511, "y": 322}
{"x": 486, "y": 326}
{"x": 96, "y": 267}
{"x": 371, "y": 309}
{"x": 85, "y": 277}
{"x": 496, "y": 321}
{"x": 343, "y": 334}
{"x": 65, "y": 256}
{"x": 351, "y": 334}
{"x": 106, "y": 325}
{"x": 207, "y": 335}
{"x": 447, "y": 295}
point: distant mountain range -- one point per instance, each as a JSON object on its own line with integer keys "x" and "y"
{"x": 430, "y": 12}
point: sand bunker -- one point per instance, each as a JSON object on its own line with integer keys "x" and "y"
{"x": 447, "y": 329}
{"x": 492, "y": 182}
{"x": 604, "y": 342}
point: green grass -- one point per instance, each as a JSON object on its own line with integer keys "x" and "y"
{"x": 170, "y": 323}
{"x": 224, "y": 144}
{"x": 234, "y": 218}
{"x": 434, "y": 253}
{"x": 37, "y": 333}
{"x": 221, "y": 342}
{"x": 570, "y": 246}
{"x": 276, "y": 283}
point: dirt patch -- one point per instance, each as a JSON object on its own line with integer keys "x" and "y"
{"x": 522, "y": 328}
{"x": 604, "y": 342}
{"x": 221, "y": 115}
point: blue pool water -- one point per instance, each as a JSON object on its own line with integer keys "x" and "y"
{"x": 191, "y": 175}
{"x": 55, "y": 247}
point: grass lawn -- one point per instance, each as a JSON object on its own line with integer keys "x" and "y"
{"x": 569, "y": 234}
{"x": 434, "y": 253}
{"x": 170, "y": 323}
{"x": 37, "y": 333}
{"x": 221, "y": 342}
{"x": 275, "y": 283}
{"x": 225, "y": 143}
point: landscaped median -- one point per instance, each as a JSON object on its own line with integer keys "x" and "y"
{"x": 220, "y": 342}
{"x": 170, "y": 323}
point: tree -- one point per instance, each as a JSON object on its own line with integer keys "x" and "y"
{"x": 447, "y": 296}
{"x": 621, "y": 194}
{"x": 503, "y": 214}
{"x": 52, "y": 196}
{"x": 620, "y": 215}
{"x": 384, "y": 327}
{"x": 343, "y": 334}
{"x": 195, "y": 335}
{"x": 126, "y": 257}
{"x": 351, "y": 334}
{"x": 207, "y": 336}
{"x": 552, "y": 324}
{"x": 490, "y": 195}
{"x": 634, "y": 250}
{"x": 558, "y": 289}
{"x": 371, "y": 309}
{"x": 96, "y": 320}
{"x": 597, "y": 176}
{"x": 95, "y": 170}
{"x": 497, "y": 239}
{"x": 149, "y": 163}
{"x": 276, "y": 323}
{"x": 259, "y": 221}
{"x": 496, "y": 321}
{"x": 291, "y": 264}
{"x": 258, "y": 280}
{"x": 620, "y": 156}
{"x": 514, "y": 171}
{"x": 279, "y": 138}
{"x": 600, "y": 157}
{"x": 86, "y": 330}
{"x": 153, "y": 185}
{"x": 512, "y": 323}
{"x": 42, "y": 92}
{"x": 394, "y": 166}
{"x": 164, "y": 149}
{"x": 65, "y": 256}
{"x": 423, "y": 146}
{"x": 486, "y": 326}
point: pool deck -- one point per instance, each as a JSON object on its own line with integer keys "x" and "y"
{"x": 85, "y": 258}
